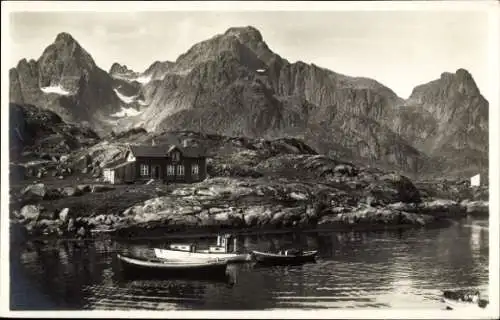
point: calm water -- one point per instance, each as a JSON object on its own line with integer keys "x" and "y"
{"x": 406, "y": 269}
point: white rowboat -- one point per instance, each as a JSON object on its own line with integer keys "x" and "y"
{"x": 201, "y": 255}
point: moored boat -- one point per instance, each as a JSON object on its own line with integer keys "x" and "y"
{"x": 188, "y": 252}
{"x": 286, "y": 257}
{"x": 200, "y": 255}
{"x": 157, "y": 267}
{"x": 463, "y": 300}
{"x": 463, "y": 305}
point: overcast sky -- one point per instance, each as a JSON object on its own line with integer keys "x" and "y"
{"x": 399, "y": 49}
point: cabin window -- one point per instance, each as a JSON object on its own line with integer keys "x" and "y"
{"x": 180, "y": 170}
{"x": 195, "y": 169}
{"x": 144, "y": 170}
{"x": 170, "y": 170}
{"x": 176, "y": 156}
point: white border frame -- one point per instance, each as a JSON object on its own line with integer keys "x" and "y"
{"x": 492, "y": 7}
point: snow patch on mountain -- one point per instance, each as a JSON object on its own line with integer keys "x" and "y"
{"x": 124, "y": 98}
{"x": 121, "y": 77}
{"x": 56, "y": 89}
{"x": 143, "y": 79}
{"x": 126, "y": 112}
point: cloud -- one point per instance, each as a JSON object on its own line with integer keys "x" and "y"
{"x": 119, "y": 33}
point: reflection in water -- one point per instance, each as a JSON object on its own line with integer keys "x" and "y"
{"x": 406, "y": 269}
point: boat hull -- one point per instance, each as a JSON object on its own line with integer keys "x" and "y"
{"x": 460, "y": 305}
{"x": 265, "y": 258}
{"x": 139, "y": 268}
{"x": 177, "y": 255}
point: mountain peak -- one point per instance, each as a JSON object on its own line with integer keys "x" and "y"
{"x": 248, "y": 33}
{"x": 464, "y": 76}
{"x": 65, "y": 37}
{"x": 119, "y": 68}
{"x": 461, "y": 71}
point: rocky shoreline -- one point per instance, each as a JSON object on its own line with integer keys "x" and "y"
{"x": 252, "y": 184}
{"x": 227, "y": 203}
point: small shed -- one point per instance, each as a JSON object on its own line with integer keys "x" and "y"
{"x": 121, "y": 173}
{"x": 475, "y": 181}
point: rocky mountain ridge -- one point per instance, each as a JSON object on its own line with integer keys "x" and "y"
{"x": 234, "y": 84}
{"x": 66, "y": 80}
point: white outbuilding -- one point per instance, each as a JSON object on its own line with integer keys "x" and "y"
{"x": 475, "y": 181}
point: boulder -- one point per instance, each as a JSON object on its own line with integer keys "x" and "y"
{"x": 70, "y": 191}
{"x": 222, "y": 216}
{"x": 35, "y": 191}
{"x": 393, "y": 188}
{"x": 30, "y": 212}
{"x": 255, "y": 215}
{"x": 299, "y": 196}
{"x": 147, "y": 217}
{"x": 64, "y": 215}
{"x": 133, "y": 211}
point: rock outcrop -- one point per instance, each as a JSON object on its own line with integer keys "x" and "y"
{"x": 40, "y": 131}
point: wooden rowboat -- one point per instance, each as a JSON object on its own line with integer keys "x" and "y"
{"x": 163, "y": 268}
{"x": 285, "y": 258}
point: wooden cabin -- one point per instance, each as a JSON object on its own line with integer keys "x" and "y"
{"x": 167, "y": 163}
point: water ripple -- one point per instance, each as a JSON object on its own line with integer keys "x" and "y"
{"x": 354, "y": 270}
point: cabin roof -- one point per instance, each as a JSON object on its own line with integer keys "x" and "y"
{"x": 161, "y": 151}
{"x": 116, "y": 166}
